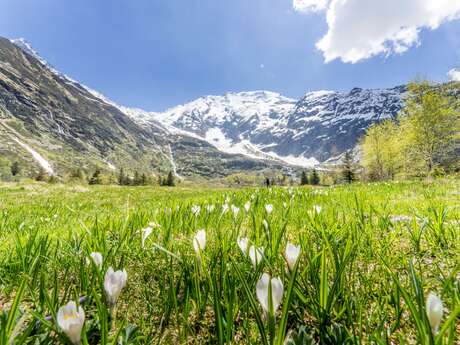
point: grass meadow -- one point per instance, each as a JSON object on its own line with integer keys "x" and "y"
{"x": 365, "y": 264}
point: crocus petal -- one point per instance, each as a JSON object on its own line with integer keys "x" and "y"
{"x": 71, "y": 319}
{"x": 243, "y": 244}
{"x": 256, "y": 255}
{"x": 247, "y": 206}
{"x": 199, "y": 241}
{"x": 291, "y": 254}
{"x": 146, "y": 233}
{"x": 114, "y": 282}
{"x": 434, "y": 310}
{"x": 269, "y": 208}
{"x": 262, "y": 291}
{"x": 97, "y": 258}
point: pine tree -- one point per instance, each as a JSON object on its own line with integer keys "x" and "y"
{"x": 303, "y": 179}
{"x": 143, "y": 179}
{"x": 314, "y": 178}
{"x": 137, "y": 179}
{"x": 15, "y": 168}
{"x": 348, "y": 172}
{"x": 170, "y": 179}
{"x": 121, "y": 177}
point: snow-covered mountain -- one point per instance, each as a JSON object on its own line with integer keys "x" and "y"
{"x": 263, "y": 124}
{"x": 212, "y": 135}
{"x": 51, "y": 121}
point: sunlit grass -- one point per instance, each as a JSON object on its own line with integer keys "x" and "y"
{"x": 356, "y": 263}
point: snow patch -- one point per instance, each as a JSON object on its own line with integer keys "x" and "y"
{"x": 38, "y": 157}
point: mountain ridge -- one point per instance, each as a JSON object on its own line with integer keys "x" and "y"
{"x": 212, "y": 135}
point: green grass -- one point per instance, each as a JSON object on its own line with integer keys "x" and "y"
{"x": 368, "y": 261}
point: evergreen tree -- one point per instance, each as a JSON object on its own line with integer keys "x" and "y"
{"x": 314, "y": 178}
{"x": 348, "y": 172}
{"x": 121, "y": 177}
{"x": 143, "y": 179}
{"x": 96, "y": 178}
{"x": 170, "y": 179}
{"x": 15, "y": 168}
{"x": 303, "y": 179}
{"x": 137, "y": 179}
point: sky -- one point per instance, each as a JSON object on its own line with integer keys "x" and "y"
{"x": 155, "y": 54}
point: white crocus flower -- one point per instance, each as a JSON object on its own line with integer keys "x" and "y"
{"x": 224, "y": 208}
{"x": 243, "y": 244}
{"x": 434, "y": 311}
{"x": 262, "y": 291}
{"x": 146, "y": 233}
{"x": 114, "y": 282}
{"x": 291, "y": 254}
{"x": 284, "y": 205}
{"x": 265, "y": 224}
{"x": 256, "y": 255}
{"x": 247, "y": 206}
{"x": 97, "y": 258}
{"x": 71, "y": 319}
{"x": 209, "y": 208}
{"x": 317, "y": 208}
{"x": 235, "y": 210}
{"x": 199, "y": 241}
{"x": 196, "y": 210}
{"x": 269, "y": 208}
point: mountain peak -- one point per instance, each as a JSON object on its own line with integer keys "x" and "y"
{"x": 26, "y": 47}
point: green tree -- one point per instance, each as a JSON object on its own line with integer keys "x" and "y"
{"x": 381, "y": 150}
{"x": 96, "y": 178}
{"x": 143, "y": 180}
{"x": 348, "y": 168}
{"x": 314, "y": 178}
{"x": 170, "y": 180}
{"x": 121, "y": 177}
{"x": 430, "y": 126}
{"x": 303, "y": 179}
{"x": 137, "y": 178}
{"x": 15, "y": 168}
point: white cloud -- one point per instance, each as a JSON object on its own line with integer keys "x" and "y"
{"x": 360, "y": 29}
{"x": 454, "y": 74}
{"x": 309, "y": 5}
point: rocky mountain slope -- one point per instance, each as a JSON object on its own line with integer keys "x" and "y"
{"x": 49, "y": 120}
{"x": 262, "y": 124}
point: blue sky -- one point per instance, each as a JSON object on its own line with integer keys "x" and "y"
{"x": 154, "y": 54}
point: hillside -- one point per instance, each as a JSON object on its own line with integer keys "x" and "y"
{"x": 49, "y": 120}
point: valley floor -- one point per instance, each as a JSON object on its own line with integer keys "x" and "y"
{"x": 370, "y": 254}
